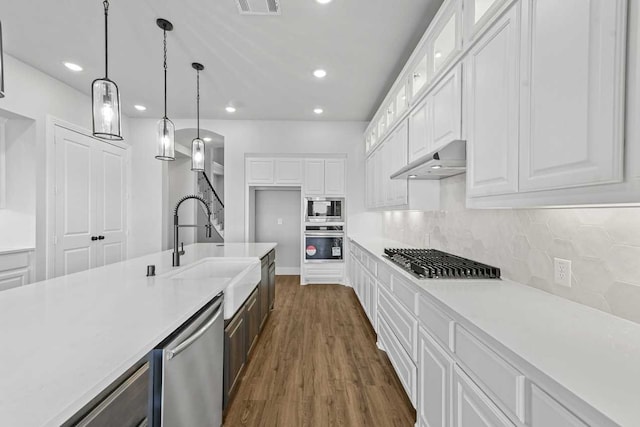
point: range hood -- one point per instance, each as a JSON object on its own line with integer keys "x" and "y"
{"x": 446, "y": 161}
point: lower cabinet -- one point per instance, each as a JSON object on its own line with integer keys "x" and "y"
{"x": 400, "y": 359}
{"x": 435, "y": 368}
{"x": 254, "y": 320}
{"x": 272, "y": 285}
{"x": 471, "y": 407}
{"x": 125, "y": 404}
{"x": 235, "y": 352}
{"x": 15, "y": 269}
{"x": 264, "y": 289}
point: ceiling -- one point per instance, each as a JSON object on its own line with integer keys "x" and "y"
{"x": 262, "y": 65}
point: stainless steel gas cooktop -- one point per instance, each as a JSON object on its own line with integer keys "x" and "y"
{"x": 435, "y": 264}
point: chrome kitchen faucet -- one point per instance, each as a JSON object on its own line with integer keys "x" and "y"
{"x": 176, "y": 227}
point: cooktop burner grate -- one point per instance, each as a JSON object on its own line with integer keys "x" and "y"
{"x": 435, "y": 264}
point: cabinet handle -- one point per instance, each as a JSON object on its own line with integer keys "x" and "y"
{"x": 416, "y": 75}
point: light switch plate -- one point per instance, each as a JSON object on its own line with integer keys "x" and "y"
{"x": 562, "y": 272}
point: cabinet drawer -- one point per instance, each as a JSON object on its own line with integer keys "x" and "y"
{"x": 436, "y": 322}
{"x": 546, "y": 411}
{"x": 126, "y": 406}
{"x": 471, "y": 407}
{"x": 402, "y": 363}
{"x": 405, "y": 293}
{"x": 14, "y": 261}
{"x": 500, "y": 378}
{"x": 402, "y": 323}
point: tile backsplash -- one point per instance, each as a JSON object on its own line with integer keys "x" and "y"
{"x": 603, "y": 245}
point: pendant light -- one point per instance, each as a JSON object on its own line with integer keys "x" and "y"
{"x": 197, "y": 145}
{"x": 1, "y": 65}
{"x": 105, "y": 96}
{"x": 166, "y": 131}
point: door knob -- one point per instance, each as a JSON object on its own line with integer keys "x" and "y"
{"x": 94, "y": 238}
{"x": 100, "y": 237}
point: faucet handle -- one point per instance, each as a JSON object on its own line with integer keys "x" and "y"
{"x": 181, "y": 248}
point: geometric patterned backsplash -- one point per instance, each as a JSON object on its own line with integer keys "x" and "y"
{"x": 603, "y": 245}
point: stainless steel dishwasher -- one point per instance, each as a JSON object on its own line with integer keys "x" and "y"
{"x": 187, "y": 372}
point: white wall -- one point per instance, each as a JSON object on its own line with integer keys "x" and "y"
{"x": 18, "y": 218}
{"x": 242, "y": 137}
{"x": 181, "y": 182}
{"x": 35, "y": 95}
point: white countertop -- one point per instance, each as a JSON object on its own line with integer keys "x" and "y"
{"x": 65, "y": 340}
{"x": 592, "y": 354}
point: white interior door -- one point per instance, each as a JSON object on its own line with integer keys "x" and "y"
{"x": 90, "y": 202}
{"x": 75, "y": 202}
{"x": 110, "y": 204}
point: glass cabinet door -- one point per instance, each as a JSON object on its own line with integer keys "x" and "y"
{"x": 419, "y": 77}
{"x": 401, "y": 100}
{"x": 391, "y": 113}
{"x": 477, "y": 13}
{"x": 447, "y": 38}
{"x": 382, "y": 126}
{"x": 480, "y": 7}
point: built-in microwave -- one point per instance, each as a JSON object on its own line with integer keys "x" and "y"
{"x": 324, "y": 209}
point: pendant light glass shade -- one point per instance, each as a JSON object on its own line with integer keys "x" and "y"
{"x": 197, "y": 155}
{"x": 106, "y": 110}
{"x": 166, "y": 131}
{"x": 105, "y": 97}
{"x": 166, "y": 140}
{"x": 197, "y": 145}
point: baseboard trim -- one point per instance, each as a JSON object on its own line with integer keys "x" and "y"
{"x": 287, "y": 271}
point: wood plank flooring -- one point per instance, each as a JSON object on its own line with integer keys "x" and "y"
{"x": 317, "y": 364}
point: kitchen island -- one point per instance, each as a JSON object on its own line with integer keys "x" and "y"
{"x": 69, "y": 338}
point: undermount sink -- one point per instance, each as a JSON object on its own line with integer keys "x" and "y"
{"x": 244, "y": 274}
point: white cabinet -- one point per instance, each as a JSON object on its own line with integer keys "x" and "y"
{"x": 401, "y": 361}
{"x": 492, "y": 101}
{"x": 435, "y": 368}
{"x": 334, "y": 177}
{"x": 477, "y": 14}
{"x": 446, "y": 109}
{"x": 325, "y": 177}
{"x": 471, "y": 407}
{"x": 260, "y": 171}
{"x": 419, "y": 76}
{"x": 397, "y": 160}
{"x": 546, "y": 411}
{"x": 288, "y": 171}
{"x": 420, "y": 140}
{"x": 314, "y": 177}
{"x": 446, "y": 39}
{"x": 15, "y": 269}
{"x": 572, "y": 71}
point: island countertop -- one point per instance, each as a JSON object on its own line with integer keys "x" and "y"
{"x": 66, "y": 339}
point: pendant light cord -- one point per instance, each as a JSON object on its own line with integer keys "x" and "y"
{"x": 165, "y": 73}
{"x": 106, "y": 39}
{"x": 198, "y": 100}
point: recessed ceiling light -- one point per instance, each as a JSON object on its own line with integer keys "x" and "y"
{"x": 323, "y": 1}
{"x": 320, "y": 73}
{"x": 413, "y": 176}
{"x": 207, "y": 139}
{"x": 230, "y": 109}
{"x": 318, "y": 110}
{"x": 140, "y": 107}
{"x": 436, "y": 167}
{"x": 72, "y": 66}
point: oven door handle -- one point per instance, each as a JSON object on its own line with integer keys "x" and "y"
{"x": 320, "y": 234}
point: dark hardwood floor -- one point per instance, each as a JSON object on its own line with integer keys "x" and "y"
{"x": 317, "y": 364}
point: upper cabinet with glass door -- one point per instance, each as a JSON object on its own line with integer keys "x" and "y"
{"x": 402, "y": 100}
{"x": 419, "y": 75}
{"x": 446, "y": 39}
{"x": 391, "y": 113}
{"x": 479, "y": 14}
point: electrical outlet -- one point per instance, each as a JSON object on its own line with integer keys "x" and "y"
{"x": 562, "y": 272}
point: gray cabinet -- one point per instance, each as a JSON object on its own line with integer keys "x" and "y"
{"x": 264, "y": 290}
{"x": 253, "y": 320}
{"x": 124, "y": 403}
{"x": 272, "y": 281}
{"x": 235, "y": 352}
